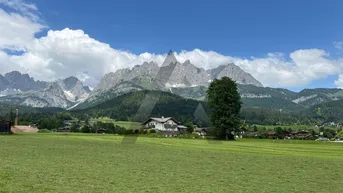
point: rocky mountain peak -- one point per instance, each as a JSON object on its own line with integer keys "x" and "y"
{"x": 170, "y": 59}
{"x": 22, "y": 82}
{"x": 174, "y": 74}
{"x": 22, "y": 89}
{"x": 187, "y": 62}
{"x": 234, "y": 72}
{"x": 87, "y": 89}
{"x": 73, "y": 89}
{"x": 3, "y": 83}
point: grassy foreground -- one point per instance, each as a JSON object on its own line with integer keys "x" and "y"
{"x": 101, "y": 163}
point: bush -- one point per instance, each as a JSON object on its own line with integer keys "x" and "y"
{"x": 249, "y": 136}
{"x": 128, "y": 132}
{"x": 120, "y": 130}
{"x": 86, "y": 129}
{"x": 44, "y": 131}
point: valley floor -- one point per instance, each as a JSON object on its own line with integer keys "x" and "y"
{"x": 101, "y": 163}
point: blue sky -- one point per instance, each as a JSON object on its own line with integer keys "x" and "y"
{"x": 235, "y": 28}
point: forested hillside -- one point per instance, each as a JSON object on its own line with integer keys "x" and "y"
{"x": 331, "y": 111}
{"x": 138, "y": 106}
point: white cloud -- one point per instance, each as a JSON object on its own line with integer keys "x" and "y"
{"x": 339, "y": 81}
{"x": 18, "y": 27}
{"x": 28, "y": 10}
{"x": 338, "y": 45}
{"x": 67, "y": 52}
{"x": 72, "y": 52}
{"x": 302, "y": 67}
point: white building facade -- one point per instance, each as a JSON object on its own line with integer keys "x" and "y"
{"x": 161, "y": 124}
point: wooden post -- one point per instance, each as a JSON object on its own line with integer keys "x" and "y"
{"x": 16, "y": 118}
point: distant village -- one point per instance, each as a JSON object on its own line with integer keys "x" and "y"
{"x": 170, "y": 127}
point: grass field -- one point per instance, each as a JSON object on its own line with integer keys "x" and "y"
{"x": 125, "y": 124}
{"x": 101, "y": 163}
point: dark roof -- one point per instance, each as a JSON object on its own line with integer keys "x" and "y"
{"x": 160, "y": 120}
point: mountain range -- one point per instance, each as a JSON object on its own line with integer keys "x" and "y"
{"x": 21, "y": 89}
{"x": 183, "y": 79}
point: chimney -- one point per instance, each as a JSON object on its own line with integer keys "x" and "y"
{"x": 16, "y": 117}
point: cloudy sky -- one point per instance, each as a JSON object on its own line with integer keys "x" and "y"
{"x": 291, "y": 44}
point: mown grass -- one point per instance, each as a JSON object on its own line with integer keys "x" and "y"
{"x": 101, "y": 163}
{"x": 125, "y": 124}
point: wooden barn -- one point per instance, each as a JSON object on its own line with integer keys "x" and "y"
{"x": 5, "y": 127}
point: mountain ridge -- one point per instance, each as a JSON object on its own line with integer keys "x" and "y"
{"x": 21, "y": 89}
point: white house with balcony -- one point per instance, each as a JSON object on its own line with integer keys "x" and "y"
{"x": 167, "y": 124}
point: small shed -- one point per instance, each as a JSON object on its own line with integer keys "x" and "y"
{"x": 5, "y": 127}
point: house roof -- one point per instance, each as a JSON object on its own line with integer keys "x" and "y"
{"x": 181, "y": 127}
{"x": 160, "y": 120}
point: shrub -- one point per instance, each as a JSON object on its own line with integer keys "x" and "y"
{"x": 86, "y": 129}
{"x": 128, "y": 132}
{"x": 249, "y": 136}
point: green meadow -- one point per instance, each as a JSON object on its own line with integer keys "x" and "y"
{"x": 102, "y": 163}
{"x": 125, "y": 124}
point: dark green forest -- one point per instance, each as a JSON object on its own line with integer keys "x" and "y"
{"x": 137, "y": 106}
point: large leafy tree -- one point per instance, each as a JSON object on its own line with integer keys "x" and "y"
{"x": 225, "y": 103}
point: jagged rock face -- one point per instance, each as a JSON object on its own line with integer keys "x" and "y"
{"x": 21, "y": 89}
{"x": 111, "y": 79}
{"x": 55, "y": 96}
{"x": 170, "y": 59}
{"x": 35, "y": 102}
{"x": 186, "y": 74}
{"x": 73, "y": 89}
{"x": 176, "y": 74}
{"x": 23, "y": 82}
{"x": 114, "y": 78}
{"x": 172, "y": 74}
{"x": 3, "y": 83}
{"x": 235, "y": 73}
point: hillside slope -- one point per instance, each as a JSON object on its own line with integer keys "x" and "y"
{"x": 138, "y": 106}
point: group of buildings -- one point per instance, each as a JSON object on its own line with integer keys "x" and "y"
{"x": 166, "y": 125}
